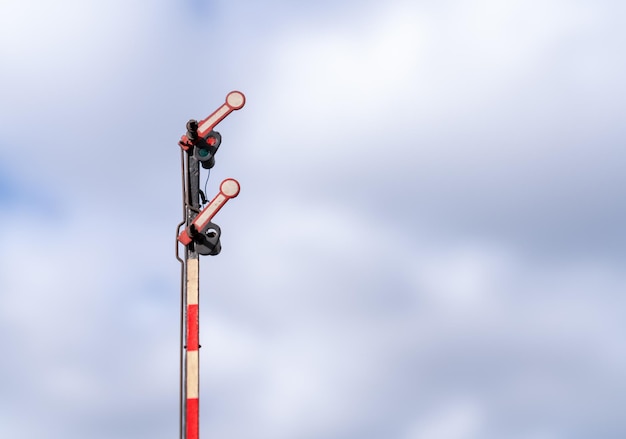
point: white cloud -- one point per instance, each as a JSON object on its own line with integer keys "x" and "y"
{"x": 456, "y": 419}
{"x": 65, "y": 44}
{"x": 465, "y": 277}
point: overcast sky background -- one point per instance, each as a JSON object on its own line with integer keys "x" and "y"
{"x": 429, "y": 241}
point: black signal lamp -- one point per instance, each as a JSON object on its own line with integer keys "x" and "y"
{"x": 205, "y": 149}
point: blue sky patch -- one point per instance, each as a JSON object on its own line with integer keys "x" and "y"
{"x": 9, "y": 189}
{"x": 17, "y": 193}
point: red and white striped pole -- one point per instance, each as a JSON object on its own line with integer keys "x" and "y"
{"x": 192, "y": 357}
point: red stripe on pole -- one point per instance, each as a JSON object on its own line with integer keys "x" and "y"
{"x": 185, "y": 238}
{"x": 192, "y": 419}
{"x": 192, "y": 328}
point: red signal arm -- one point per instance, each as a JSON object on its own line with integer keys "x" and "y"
{"x": 228, "y": 189}
{"x": 234, "y": 101}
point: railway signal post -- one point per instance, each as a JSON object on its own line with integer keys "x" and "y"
{"x": 199, "y": 237}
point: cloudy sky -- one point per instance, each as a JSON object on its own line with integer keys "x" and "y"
{"x": 429, "y": 241}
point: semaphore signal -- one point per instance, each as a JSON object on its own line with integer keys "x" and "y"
{"x": 200, "y": 237}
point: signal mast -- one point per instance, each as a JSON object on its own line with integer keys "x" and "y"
{"x": 199, "y": 237}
